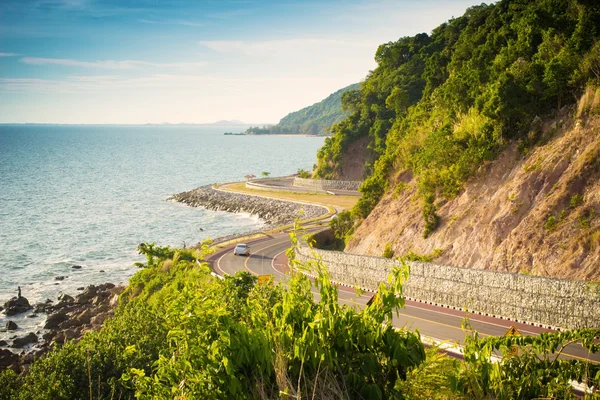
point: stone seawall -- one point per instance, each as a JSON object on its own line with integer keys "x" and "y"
{"x": 274, "y": 212}
{"x": 324, "y": 184}
{"x": 531, "y": 299}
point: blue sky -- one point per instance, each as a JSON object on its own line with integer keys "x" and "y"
{"x": 153, "y": 61}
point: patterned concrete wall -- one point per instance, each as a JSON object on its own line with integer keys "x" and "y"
{"x": 327, "y": 184}
{"x": 531, "y": 299}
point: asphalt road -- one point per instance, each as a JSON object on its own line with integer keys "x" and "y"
{"x": 288, "y": 184}
{"x": 267, "y": 257}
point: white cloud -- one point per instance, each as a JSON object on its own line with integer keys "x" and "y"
{"x": 286, "y": 46}
{"x": 171, "y": 22}
{"x": 110, "y": 64}
{"x": 8, "y": 54}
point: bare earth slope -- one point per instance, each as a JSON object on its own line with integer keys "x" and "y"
{"x": 501, "y": 220}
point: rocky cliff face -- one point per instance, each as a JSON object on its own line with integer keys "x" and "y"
{"x": 537, "y": 213}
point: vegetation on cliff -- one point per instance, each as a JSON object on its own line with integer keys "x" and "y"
{"x": 440, "y": 105}
{"x": 312, "y": 120}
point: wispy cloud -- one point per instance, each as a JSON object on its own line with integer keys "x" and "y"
{"x": 171, "y": 22}
{"x": 8, "y": 54}
{"x": 89, "y": 83}
{"x": 283, "y": 46}
{"x": 110, "y": 64}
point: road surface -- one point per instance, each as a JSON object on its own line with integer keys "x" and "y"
{"x": 268, "y": 257}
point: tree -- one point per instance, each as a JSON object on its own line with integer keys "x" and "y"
{"x": 265, "y": 173}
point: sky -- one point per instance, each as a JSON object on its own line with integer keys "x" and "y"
{"x": 197, "y": 61}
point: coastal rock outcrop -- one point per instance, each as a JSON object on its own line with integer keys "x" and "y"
{"x": 274, "y": 212}
{"x": 16, "y": 305}
{"x": 69, "y": 319}
{"x": 11, "y": 326}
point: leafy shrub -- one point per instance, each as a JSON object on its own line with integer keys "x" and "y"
{"x": 575, "y": 201}
{"x": 388, "y": 252}
{"x": 550, "y": 224}
{"x": 302, "y": 173}
{"x": 535, "y": 371}
{"x": 342, "y": 225}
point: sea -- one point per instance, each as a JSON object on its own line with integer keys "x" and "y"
{"x": 88, "y": 195}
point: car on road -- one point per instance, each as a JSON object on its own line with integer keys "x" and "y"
{"x": 241, "y": 250}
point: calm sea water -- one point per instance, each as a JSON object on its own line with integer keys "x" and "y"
{"x": 88, "y": 195}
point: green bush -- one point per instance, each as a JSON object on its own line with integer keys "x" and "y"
{"x": 550, "y": 224}
{"x": 180, "y": 333}
{"x": 388, "y": 252}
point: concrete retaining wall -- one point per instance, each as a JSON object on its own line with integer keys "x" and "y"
{"x": 546, "y": 301}
{"x": 324, "y": 184}
{"x": 273, "y": 188}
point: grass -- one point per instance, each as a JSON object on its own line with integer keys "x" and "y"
{"x": 345, "y": 202}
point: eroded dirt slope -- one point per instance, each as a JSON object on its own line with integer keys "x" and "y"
{"x": 537, "y": 214}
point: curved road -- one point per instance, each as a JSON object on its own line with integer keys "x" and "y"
{"x": 268, "y": 257}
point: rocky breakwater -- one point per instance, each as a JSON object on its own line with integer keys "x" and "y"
{"x": 67, "y": 319}
{"x": 272, "y": 211}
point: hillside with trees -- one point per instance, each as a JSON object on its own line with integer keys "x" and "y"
{"x": 312, "y": 120}
{"x": 440, "y": 107}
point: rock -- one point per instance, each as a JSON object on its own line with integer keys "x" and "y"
{"x": 32, "y": 316}
{"x": 16, "y": 305}
{"x": 40, "y": 308}
{"x": 11, "y": 326}
{"x": 71, "y": 334}
{"x": 25, "y": 369}
{"x": 59, "y": 278}
{"x": 87, "y": 295}
{"x": 25, "y": 340}
{"x": 76, "y": 267}
{"x": 48, "y": 301}
{"x": 80, "y": 288}
{"x": 99, "y": 319}
{"x": 1, "y": 308}
{"x": 69, "y": 323}
{"x": 59, "y": 337}
{"x": 7, "y": 358}
{"x": 65, "y": 298}
{"x": 28, "y": 358}
{"x": 3, "y": 343}
{"x": 101, "y": 270}
{"x": 55, "y": 319}
{"x": 84, "y": 317}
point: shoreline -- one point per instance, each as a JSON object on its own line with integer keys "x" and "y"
{"x": 273, "y": 211}
{"x": 69, "y": 318}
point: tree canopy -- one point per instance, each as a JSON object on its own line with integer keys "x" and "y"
{"x": 312, "y": 120}
{"x": 441, "y": 104}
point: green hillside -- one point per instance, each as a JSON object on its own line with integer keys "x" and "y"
{"x": 311, "y": 120}
{"x": 440, "y": 105}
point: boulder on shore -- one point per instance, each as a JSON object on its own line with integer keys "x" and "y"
{"x": 11, "y": 326}
{"x": 16, "y": 305}
{"x": 7, "y": 358}
{"x": 55, "y": 319}
{"x": 25, "y": 340}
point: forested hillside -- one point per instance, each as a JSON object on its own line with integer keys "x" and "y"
{"x": 439, "y": 106}
{"x": 311, "y": 120}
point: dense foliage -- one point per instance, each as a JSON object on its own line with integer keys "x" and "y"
{"x": 441, "y": 104}
{"x": 179, "y": 332}
{"x": 311, "y": 120}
